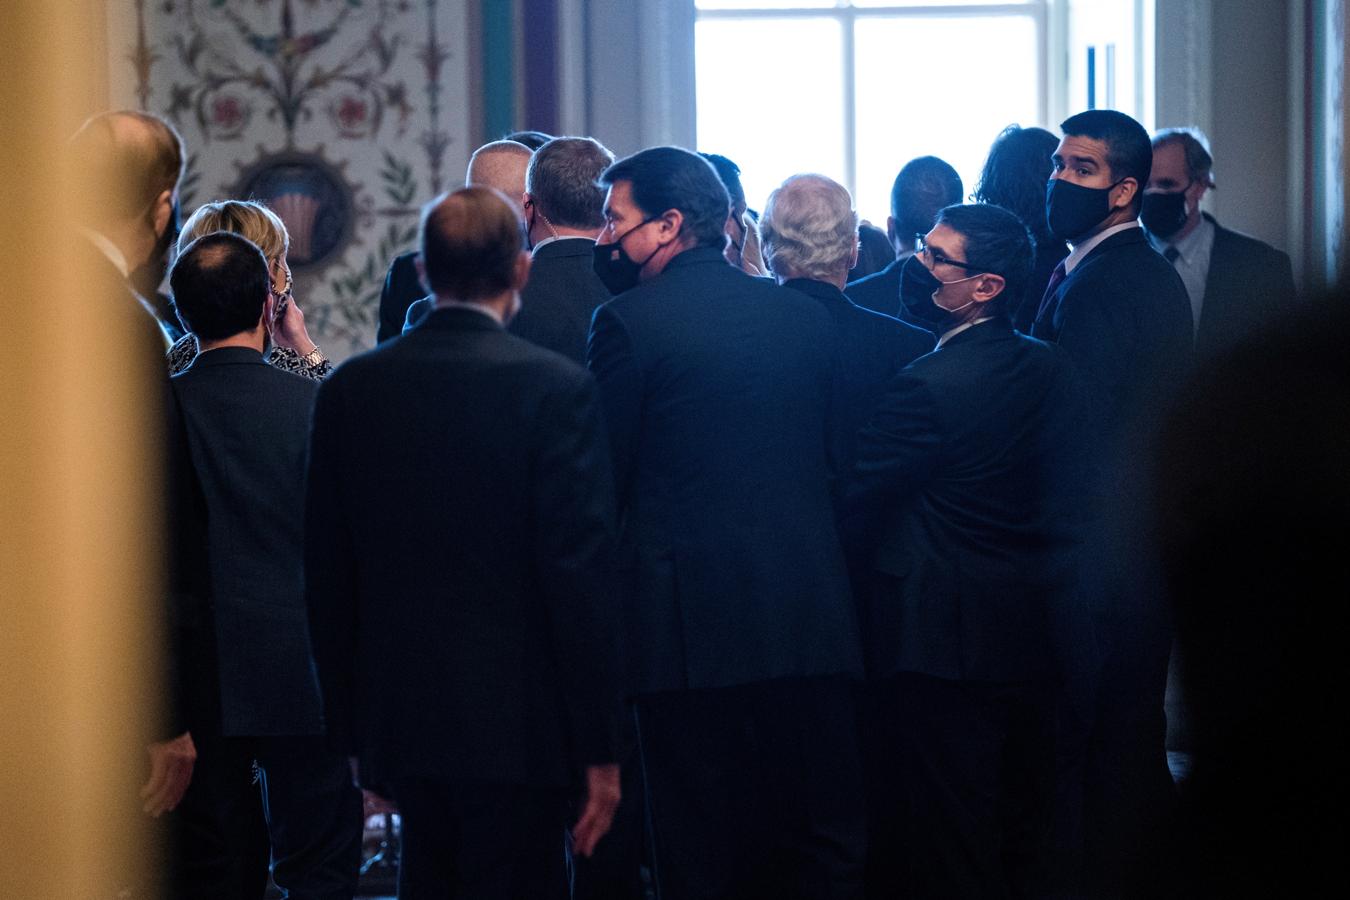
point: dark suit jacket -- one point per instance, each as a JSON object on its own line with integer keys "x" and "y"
{"x": 402, "y": 288}
{"x": 247, "y": 424}
{"x": 1050, "y": 251}
{"x": 871, "y": 348}
{"x": 1123, "y": 317}
{"x": 1249, "y": 287}
{"x": 880, "y": 291}
{"x": 559, "y": 299}
{"x": 961, "y": 474}
{"x": 716, "y": 389}
{"x": 459, "y": 533}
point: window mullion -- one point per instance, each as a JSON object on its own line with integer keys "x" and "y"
{"x": 850, "y": 100}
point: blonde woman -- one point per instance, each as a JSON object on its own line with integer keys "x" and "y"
{"x": 292, "y": 349}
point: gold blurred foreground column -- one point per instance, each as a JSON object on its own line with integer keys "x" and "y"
{"x": 77, "y": 555}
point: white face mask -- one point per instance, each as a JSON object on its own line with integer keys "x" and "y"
{"x": 948, "y": 310}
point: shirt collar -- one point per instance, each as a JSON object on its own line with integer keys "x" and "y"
{"x": 1082, "y": 250}
{"x": 476, "y": 307}
{"x": 1189, "y": 247}
{"x": 110, "y": 250}
{"x": 554, "y": 239}
{"x": 948, "y": 335}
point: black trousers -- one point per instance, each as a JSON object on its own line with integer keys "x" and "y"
{"x": 298, "y": 806}
{"x": 754, "y": 791}
{"x": 960, "y": 788}
{"x": 481, "y": 840}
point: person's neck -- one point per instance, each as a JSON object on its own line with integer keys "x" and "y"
{"x": 902, "y": 249}
{"x": 498, "y": 306}
{"x": 253, "y": 340}
{"x": 1118, "y": 217}
{"x": 657, "y": 264}
{"x": 542, "y": 233}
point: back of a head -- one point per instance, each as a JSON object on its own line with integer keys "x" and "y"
{"x": 1129, "y": 152}
{"x": 500, "y": 165}
{"x": 471, "y": 239}
{"x": 1195, "y": 146}
{"x": 924, "y": 186}
{"x": 563, "y": 181}
{"x": 809, "y": 229}
{"x": 1015, "y": 174}
{"x": 532, "y": 139}
{"x": 666, "y": 178}
{"x": 247, "y": 218}
{"x": 730, "y": 173}
{"x": 135, "y": 156}
{"x": 996, "y": 242}
{"x": 220, "y": 284}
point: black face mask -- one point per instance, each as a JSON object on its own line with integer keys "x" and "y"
{"x": 1164, "y": 214}
{"x": 1072, "y": 210}
{"x": 917, "y": 287}
{"x": 616, "y": 269}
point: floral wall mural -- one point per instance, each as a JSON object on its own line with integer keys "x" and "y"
{"x": 344, "y": 116}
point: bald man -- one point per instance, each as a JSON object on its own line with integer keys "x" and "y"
{"x": 500, "y": 165}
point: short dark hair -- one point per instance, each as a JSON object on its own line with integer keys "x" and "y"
{"x": 532, "y": 139}
{"x": 665, "y": 178}
{"x": 1129, "y": 153}
{"x": 561, "y": 180}
{"x": 1199, "y": 162}
{"x": 730, "y": 173}
{"x": 220, "y": 284}
{"x": 470, "y": 241}
{"x": 924, "y": 186}
{"x": 1015, "y": 173}
{"x": 996, "y": 242}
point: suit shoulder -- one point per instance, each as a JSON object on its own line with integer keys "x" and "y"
{"x": 1238, "y": 244}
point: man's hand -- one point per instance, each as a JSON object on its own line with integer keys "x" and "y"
{"x": 171, "y": 765}
{"x": 602, "y": 799}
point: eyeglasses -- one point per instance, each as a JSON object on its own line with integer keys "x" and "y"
{"x": 933, "y": 257}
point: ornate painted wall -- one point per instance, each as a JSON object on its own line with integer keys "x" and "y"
{"x": 343, "y": 115}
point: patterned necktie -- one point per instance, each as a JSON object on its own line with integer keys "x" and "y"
{"x": 1171, "y": 254}
{"x": 1047, "y": 299}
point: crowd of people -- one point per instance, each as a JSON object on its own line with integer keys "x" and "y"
{"x": 665, "y": 547}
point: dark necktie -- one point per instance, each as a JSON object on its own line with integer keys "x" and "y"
{"x": 1171, "y": 254}
{"x": 1048, "y": 298}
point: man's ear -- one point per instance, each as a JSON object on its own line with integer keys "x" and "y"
{"x": 1125, "y": 192}
{"x": 671, "y": 222}
{"x": 853, "y": 257}
{"x": 162, "y": 212}
{"x": 890, "y": 232}
{"x": 988, "y": 287}
{"x": 269, "y": 310}
{"x": 520, "y": 274}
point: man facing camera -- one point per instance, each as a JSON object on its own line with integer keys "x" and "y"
{"x": 1121, "y": 313}
{"x": 716, "y": 388}
{"x": 958, "y": 483}
{"x": 246, "y": 424}
{"x": 458, "y": 538}
{"x": 1237, "y": 285}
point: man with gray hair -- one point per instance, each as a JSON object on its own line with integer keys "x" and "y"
{"x": 499, "y": 164}
{"x": 1236, "y": 284}
{"x": 809, "y": 237}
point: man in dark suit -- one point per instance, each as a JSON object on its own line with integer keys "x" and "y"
{"x": 563, "y": 214}
{"x": 140, "y": 158}
{"x": 958, "y": 476}
{"x": 809, "y": 235}
{"x": 1121, "y": 313}
{"x": 741, "y": 632}
{"x": 246, "y": 426}
{"x": 1237, "y": 285}
{"x": 923, "y": 187}
{"x": 500, "y": 165}
{"x": 458, "y": 536}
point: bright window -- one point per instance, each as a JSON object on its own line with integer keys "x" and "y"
{"x": 853, "y": 89}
